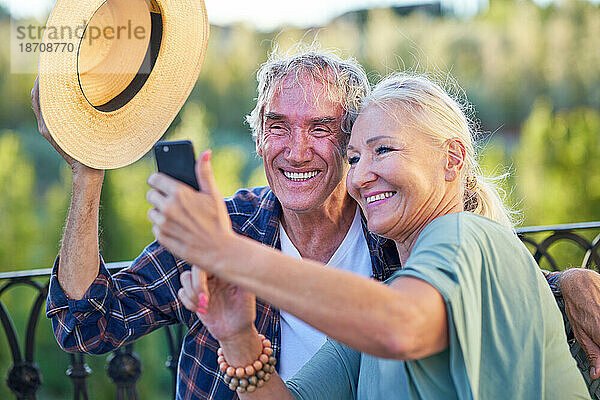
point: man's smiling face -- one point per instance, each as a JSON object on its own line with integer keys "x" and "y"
{"x": 302, "y": 146}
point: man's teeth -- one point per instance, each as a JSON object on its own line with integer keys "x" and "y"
{"x": 380, "y": 196}
{"x": 300, "y": 176}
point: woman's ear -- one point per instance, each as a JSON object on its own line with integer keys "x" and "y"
{"x": 455, "y": 158}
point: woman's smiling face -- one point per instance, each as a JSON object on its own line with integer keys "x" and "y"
{"x": 397, "y": 173}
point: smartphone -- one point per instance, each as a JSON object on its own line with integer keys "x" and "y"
{"x": 177, "y": 160}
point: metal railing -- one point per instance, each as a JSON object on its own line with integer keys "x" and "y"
{"x": 123, "y": 366}
{"x": 585, "y": 236}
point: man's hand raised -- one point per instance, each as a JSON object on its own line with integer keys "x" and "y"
{"x": 78, "y": 265}
{"x": 75, "y": 165}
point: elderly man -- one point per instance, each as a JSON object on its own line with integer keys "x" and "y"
{"x": 304, "y": 113}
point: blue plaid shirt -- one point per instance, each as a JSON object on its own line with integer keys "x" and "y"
{"x": 119, "y": 309}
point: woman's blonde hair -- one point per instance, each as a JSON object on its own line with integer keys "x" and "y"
{"x": 437, "y": 114}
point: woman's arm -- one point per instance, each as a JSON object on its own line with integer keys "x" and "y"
{"x": 229, "y": 314}
{"x": 332, "y": 373}
{"x": 406, "y": 320}
{"x": 244, "y": 349}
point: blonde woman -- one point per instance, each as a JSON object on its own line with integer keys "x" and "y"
{"x": 468, "y": 316}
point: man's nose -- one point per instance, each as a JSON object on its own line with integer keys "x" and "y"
{"x": 299, "y": 149}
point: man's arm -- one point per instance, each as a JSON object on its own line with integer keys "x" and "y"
{"x": 118, "y": 309}
{"x": 91, "y": 310}
{"x": 79, "y": 252}
{"x": 581, "y": 292}
{"x": 79, "y": 258}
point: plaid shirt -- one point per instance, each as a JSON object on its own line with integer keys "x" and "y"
{"x": 120, "y": 308}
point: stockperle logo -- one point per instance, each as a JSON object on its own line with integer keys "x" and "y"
{"x": 85, "y": 31}
{"x": 30, "y": 39}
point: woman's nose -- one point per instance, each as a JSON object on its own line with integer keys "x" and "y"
{"x": 361, "y": 174}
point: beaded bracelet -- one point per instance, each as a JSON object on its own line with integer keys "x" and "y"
{"x": 252, "y": 376}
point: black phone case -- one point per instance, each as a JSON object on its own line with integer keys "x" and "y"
{"x": 177, "y": 160}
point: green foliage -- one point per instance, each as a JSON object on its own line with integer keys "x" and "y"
{"x": 258, "y": 178}
{"x": 17, "y": 206}
{"x": 557, "y": 164}
{"x": 124, "y": 223}
{"x": 195, "y": 124}
{"x": 227, "y": 164}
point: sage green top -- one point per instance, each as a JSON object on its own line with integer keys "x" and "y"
{"x": 506, "y": 335}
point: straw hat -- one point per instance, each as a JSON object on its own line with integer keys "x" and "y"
{"x": 114, "y": 74}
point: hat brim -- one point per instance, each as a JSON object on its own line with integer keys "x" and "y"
{"x": 107, "y": 140}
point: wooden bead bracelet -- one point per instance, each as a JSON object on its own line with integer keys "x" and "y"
{"x": 252, "y": 376}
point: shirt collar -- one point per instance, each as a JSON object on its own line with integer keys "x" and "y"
{"x": 263, "y": 224}
{"x": 384, "y": 255}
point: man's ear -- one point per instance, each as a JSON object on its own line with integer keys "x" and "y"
{"x": 455, "y": 158}
{"x": 259, "y": 150}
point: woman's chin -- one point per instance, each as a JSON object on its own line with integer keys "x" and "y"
{"x": 379, "y": 227}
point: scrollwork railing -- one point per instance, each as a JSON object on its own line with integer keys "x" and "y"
{"x": 124, "y": 367}
{"x": 585, "y": 236}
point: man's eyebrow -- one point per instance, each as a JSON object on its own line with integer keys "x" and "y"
{"x": 272, "y": 115}
{"x": 323, "y": 120}
{"x": 373, "y": 139}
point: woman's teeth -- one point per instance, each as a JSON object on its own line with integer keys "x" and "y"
{"x": 379, "y": 196}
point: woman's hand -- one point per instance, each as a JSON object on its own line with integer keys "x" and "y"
{"x": 193, "y": 225}
{"x": 196, "y": 227}
{"x": 226, "y": 310}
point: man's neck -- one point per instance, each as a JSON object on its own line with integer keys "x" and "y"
{"x": 317, "y": 234}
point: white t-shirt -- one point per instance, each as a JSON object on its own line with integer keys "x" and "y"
{"x": 300, "y": 341}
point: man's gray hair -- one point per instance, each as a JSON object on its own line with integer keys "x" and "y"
{"x": 345, "y": 82}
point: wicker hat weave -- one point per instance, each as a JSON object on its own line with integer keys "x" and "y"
{"x": 118, "y": 74}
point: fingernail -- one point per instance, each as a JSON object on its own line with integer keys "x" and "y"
{"x": 201, "y": 310}
{"x": 206, "y": 156}
{"x": 593, "y": 371}
{"x": 203, "y": 300}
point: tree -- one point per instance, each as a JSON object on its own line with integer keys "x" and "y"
{"x": 557, "y": 164}
{"x": 19, "y": 244}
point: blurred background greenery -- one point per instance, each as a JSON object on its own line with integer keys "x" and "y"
{"x": 531, "y": 72}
